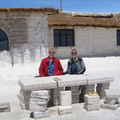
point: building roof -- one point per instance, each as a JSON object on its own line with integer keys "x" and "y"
{"x": 28, "y": 10}
{"x": 93, "y": 20}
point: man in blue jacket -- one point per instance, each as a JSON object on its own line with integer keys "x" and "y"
{"x": 75, "y": 66}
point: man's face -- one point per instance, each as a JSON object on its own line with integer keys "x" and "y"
{"x": 51, "y": 53}
{"x": 74, "y": 54}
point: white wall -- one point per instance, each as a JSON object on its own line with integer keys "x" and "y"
{"x": 90, "y": 41}
{"x": 30, "y": 47}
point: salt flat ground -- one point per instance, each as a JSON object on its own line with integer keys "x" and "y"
{"x": 9, "y": 89}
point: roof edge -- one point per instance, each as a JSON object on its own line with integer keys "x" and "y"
{"x": 29, "y": 10}
{"x": 83, "y": 25}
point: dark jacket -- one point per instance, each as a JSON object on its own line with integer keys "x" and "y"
{"x": 43, "y": 69}
{"x": 80, "y": 66}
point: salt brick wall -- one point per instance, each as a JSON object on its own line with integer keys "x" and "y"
{"x": 27, "y": 35}
{"x": 89, "y": 41}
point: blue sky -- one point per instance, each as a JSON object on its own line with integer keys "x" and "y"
{"x": 94, "y": 6}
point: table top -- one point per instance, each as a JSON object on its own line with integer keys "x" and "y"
{"x": 39, "y": 83}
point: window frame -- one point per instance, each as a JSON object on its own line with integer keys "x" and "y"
{"x": 63, "y": 33}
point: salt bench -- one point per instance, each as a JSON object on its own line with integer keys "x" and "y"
{"x": 40, "y": 83}
{"x": 47, "y": 83}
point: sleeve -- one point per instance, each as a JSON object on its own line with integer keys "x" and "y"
{"x": 41, "y": 68}
{"x": 67, "y": 71}
{"x": 83, "y": 68}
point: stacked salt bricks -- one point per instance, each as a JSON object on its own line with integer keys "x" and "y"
{"x": 38, "y": 103}
{"x": 55, "y": 95}
{"x": 101, "y": 89}
{"x": 24, "y": 98}
{"x": 65, "y": 102}
{"x": 111, "y": 99}
{"x": 75, "y": 94}
{"x": 85, "y": 89}
{"x": 4, "y": 106}
{"x": 92, "y": 102}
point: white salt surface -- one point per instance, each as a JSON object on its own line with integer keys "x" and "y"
{"x": 9, "y": 89}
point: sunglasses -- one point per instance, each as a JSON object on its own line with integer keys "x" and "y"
{"x": 52, "y": 52}
{"x": 73, "y": 53}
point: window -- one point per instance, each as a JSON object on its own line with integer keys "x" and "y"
{"x": 63, "y": 37}
{"x": 118, "y": 37}
{"x": 3, "y": 40}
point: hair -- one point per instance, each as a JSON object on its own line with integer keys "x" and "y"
{"x": 51, "y": 49}
{"x": 73, "y": 50}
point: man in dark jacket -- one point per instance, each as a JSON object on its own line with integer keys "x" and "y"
{"x": 50, "y": 66}
{"x": 75, "y": 64}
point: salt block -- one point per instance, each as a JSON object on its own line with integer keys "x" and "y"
{"x": 110, "y": 101}
{"x": 24, "y": 99}
{"x": 91, "y": 97}
{"x": 4, "y": 104}
{"x": 25, "y": 93}
{"x": 75, "y": 94}
{"x": 92, "y": 107}
{"x": 39, "y": 103}
{"x": 5, "y": 109}
{"x": 112, "y": 93}
{"x": 108, "y": 106}
{"x": 55, "y": 95}
{"x": 24, "y": 106}
{"x": 75, "y": 97}
{"x": 101, "y": 94}
{"x": 38, "y": 100}
{"x": 76, "y": 88}
{"x": 85, "y": 87}
{"x": 92, "y": 102}
{"x": 41, "y": 114}
{"x": 39, "y": 93}
{"x": 103, "y": 86}
{"x": 37, "y": 108}
{"x": 40, "y": 83}
{"x": 41, "y": 97}
{"x": 101, "y": 91}
{"x": 65, "y": 98}
{"x": 62, "y": 110}
{"x": 56, "y": 102}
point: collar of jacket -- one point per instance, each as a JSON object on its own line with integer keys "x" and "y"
{"x": 49, "y": 58}
{"x": 71, "y": 60}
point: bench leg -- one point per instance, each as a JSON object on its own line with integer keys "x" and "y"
{"x": 84, "y": 90}
{"x": 75, "y": 94}
{"x": 100, "y": 89}
{"x": 55, "y": 95}
{"x": 24, "y": 97}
